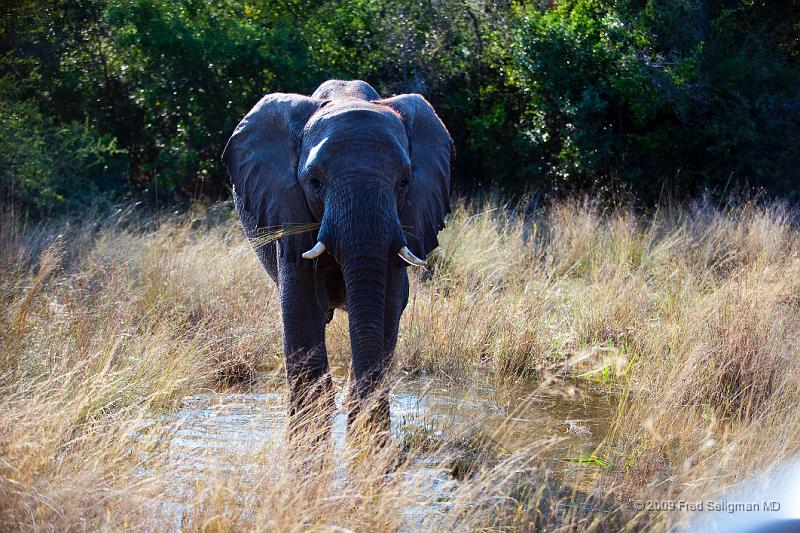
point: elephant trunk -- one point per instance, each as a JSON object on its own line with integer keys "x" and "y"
{"x": 364, "y": 236}
{"x": 365, "y": 286}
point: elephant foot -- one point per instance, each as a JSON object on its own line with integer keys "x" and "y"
{"x": 368, "y": 415}
{"x": 310, "y": 420}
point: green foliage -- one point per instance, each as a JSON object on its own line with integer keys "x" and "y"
{"x": 641, "y": 93}
{"x": 636, "y": 95}
{"x": 193, "y": 69}
{"x": 46, "y": 166}
{"x": 56, "y": 150}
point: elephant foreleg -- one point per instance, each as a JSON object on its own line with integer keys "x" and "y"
{"x": 304, "y": 310}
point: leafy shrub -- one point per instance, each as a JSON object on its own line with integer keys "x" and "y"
{"x": 642, "y": 96}
{"x": 45, "y": 167}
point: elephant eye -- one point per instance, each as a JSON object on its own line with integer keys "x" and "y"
{"x": 315, "y": 184}
{"x": 404, "y": 183}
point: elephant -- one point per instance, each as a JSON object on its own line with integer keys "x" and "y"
{"x": 373, "y": 175}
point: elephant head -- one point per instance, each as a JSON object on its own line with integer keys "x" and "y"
{"x": 374, "y": 173}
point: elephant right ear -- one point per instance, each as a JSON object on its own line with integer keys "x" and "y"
{"x": 261, "y": 159}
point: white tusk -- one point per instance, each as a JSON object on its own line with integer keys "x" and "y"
{"x": 315, "y": 252}
{"x": 406, "y": 255}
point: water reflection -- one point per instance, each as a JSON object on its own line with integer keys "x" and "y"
{"x": 236, "y": 432}
{"x": 513, "y": 414}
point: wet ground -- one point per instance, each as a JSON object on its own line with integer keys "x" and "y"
{"x": 219, "y": 432}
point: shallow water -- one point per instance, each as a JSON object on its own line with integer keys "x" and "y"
{"x": 229, "y": 432}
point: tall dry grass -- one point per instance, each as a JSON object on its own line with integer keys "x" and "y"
{"x": 687, "y": 320}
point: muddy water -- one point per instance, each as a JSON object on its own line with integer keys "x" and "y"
{"x": 226, "y": 432}
{"x": 513, "y": 413}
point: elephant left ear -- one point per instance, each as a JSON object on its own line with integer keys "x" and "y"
{"x": 431, "y": 152}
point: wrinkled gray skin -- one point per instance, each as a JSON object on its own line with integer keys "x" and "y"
{"x": 375, "y": 173}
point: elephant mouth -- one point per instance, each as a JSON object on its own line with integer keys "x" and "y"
{"x": 371, "y": 226}
{"x": 404, "y": 253}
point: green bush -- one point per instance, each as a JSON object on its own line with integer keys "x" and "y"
{"x": 642, "y": 96}
{"x": 47, "y": 167}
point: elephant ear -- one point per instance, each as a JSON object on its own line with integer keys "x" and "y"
{"x": 261, "y": 159}
{"x": 431, "y": 151}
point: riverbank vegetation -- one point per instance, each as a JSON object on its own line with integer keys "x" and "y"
{"x": 136, "y": 98}
{"x": 685, "y": 320}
